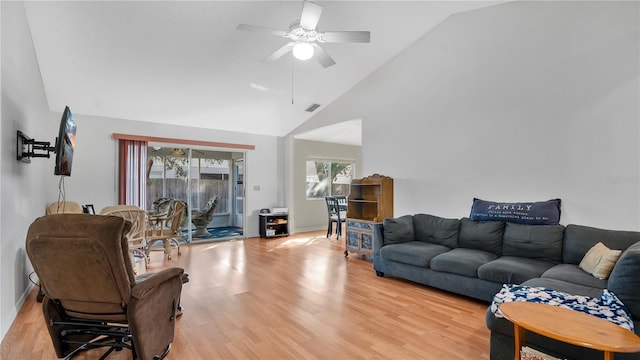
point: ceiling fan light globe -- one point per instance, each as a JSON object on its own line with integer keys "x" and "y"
{"x": 302, "y": 51}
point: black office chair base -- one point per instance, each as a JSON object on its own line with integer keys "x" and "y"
{"x": 115, "y": 337}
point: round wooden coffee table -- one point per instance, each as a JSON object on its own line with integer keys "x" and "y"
{"x": 569, "y": 326}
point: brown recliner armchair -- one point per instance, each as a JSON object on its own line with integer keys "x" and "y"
{"x": 92, "y": 298}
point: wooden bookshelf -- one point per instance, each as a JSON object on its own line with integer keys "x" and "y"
{"x": 371, "y": 198}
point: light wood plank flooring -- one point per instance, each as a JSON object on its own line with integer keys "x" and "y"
{"x": 296, "y": 297}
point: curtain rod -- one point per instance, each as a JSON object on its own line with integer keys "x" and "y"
{"x": 181, "y": 141}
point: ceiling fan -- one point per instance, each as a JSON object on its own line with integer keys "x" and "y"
{"x": 305, "y": 39}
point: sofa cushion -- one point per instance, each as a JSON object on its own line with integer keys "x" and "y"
{"x": 531, "y": 213}
{"x": 541, "y": 242}
{"x": 398, "y": 230}
{"x": 436, "y": 230}
{"x": 573, "y": 274}
{"x": 624, "y": 280}
{"x": 599, "y": 260}
{"x": 481, "y": 235}
{"x": 579, "y": 239}
{"x": 462, "y": 261}
{"x": 417, "y": 253}
{"x": 513, "y": 270}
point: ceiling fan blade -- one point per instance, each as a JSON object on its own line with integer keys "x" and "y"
{"x": 310, "y": 15}
{"x": 279, "y": 53}
{"x": 347, "y": 36}
{"x": 323, "y": 58}
{"x": 271, "y": 31}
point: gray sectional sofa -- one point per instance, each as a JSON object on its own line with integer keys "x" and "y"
{"x": 476, "y": 258}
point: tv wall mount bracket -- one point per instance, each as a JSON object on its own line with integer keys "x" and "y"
{"x": 29, "y": 148}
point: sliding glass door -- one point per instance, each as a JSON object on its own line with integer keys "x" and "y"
{"x": 238, "y": 191}
{"x": 167, "y": 175}
{"x": 207, "y": 181}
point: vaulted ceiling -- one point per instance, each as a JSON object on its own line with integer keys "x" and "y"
{"x": 184, "y": 62}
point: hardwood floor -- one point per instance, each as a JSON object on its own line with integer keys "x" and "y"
{"x": 296, "y": 297}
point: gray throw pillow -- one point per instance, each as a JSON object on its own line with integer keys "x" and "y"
{"x": 436, "y": 230}
{"x": 481, "y": 235}
{"x": 398, "y": 230}
{"x": 540, "y": 242}
{"x": 624, "y": 280}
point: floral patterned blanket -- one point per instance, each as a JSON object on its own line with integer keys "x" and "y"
{"x": 607, "y": 307}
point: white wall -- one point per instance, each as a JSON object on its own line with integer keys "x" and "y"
{"x": 312, "y": 214}
{"x": 93, "y": 179}
{"x": 24, "y": 108}
{"x": 523, "y": 101}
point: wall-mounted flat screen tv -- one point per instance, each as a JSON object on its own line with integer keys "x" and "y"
{"x": 65, "y": 144}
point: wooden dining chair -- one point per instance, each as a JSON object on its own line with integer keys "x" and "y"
{"x": 334, "y": 215}
{"x": 341, "y": 212}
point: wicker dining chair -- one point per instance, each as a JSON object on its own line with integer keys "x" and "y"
{"x": 166, "y": 227}
{"x": 136, "y": 236}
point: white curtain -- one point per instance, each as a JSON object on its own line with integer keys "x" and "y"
{"x": 132, "y": 178}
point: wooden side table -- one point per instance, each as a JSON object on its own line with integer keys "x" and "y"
{"x": 569, "y": 326}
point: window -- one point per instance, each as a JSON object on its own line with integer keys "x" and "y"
{"x": 326, "y": 178}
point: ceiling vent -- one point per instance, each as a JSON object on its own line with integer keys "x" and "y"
{"x": 312, "y": 107}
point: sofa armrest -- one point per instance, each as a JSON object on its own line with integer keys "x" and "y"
{"x": 378, "y": 238}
